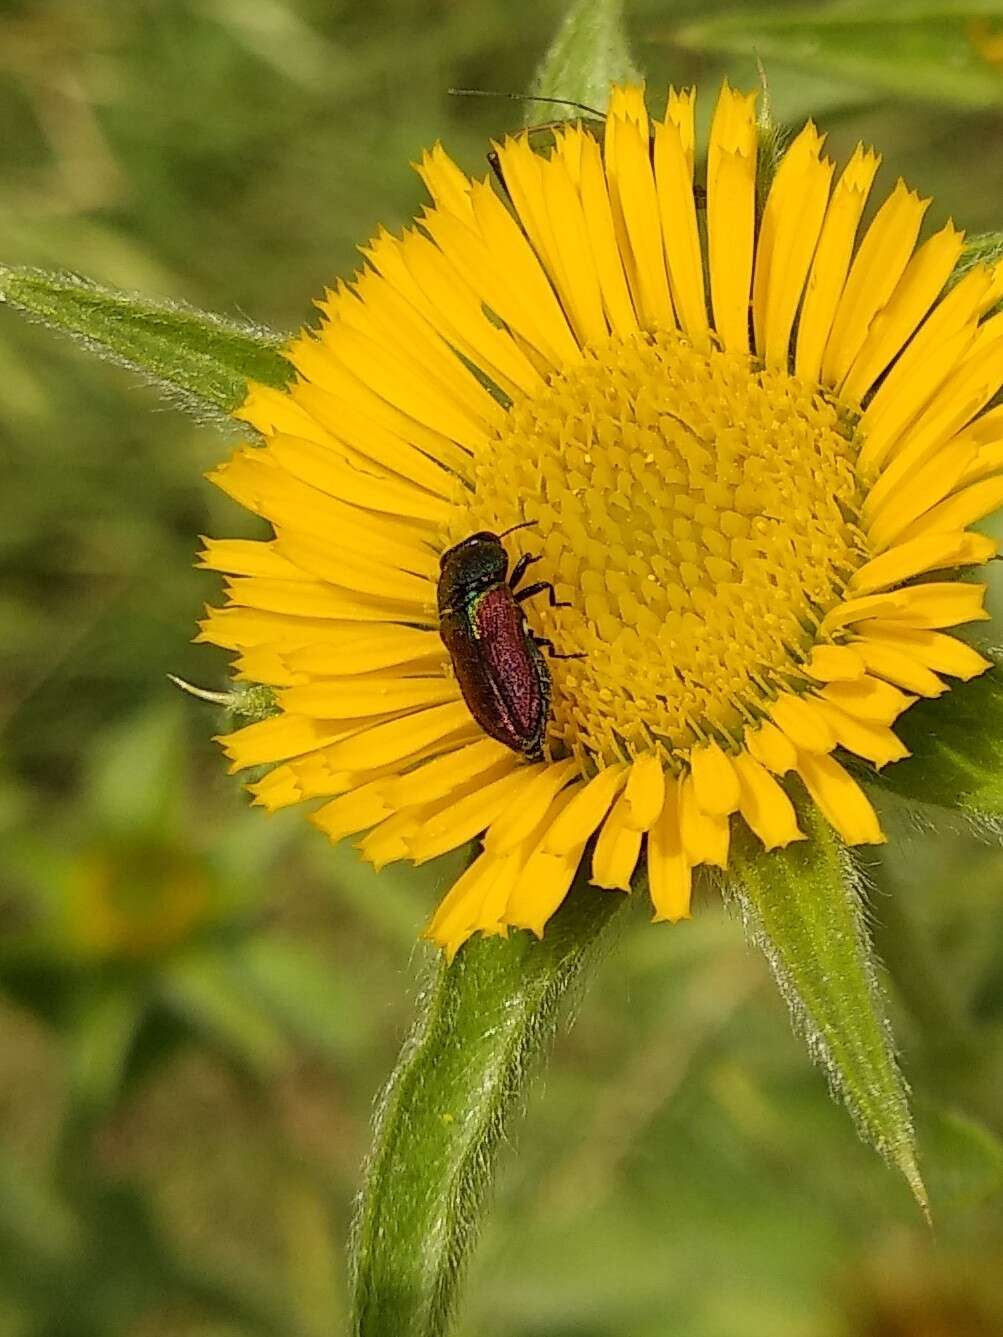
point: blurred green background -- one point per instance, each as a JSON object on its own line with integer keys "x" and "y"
{"x": 198, "y": 1004}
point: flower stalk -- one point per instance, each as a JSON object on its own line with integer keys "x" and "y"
{"x": 482, "y": 1022}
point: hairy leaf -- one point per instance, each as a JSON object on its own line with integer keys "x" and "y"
{"x": 199, "y": 358}
{"x": 802, "y": 907}
{"x": 589, "y": 53}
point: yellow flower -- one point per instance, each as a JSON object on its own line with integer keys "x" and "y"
{"x": 135, "y": 900}
{"x": 986, "y": 41}
{"x": 748, "y": 465}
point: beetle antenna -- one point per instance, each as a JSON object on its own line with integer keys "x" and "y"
{"x": 524, "y": 524}
{"x": 527, "y": 97}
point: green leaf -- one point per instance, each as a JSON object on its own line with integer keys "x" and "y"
{"x": 200, "y": 359}
{"x": 915, "y": 50}
{"x": 589, "y": 53}
{"x": 462, "y": 1073}
{"x": 956, "y": 743}
{"x": 802, "y": 906}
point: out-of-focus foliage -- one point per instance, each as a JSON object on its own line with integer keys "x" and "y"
{"x": 197, "y": 1003}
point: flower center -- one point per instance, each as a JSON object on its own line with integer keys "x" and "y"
{"x": 698, "y": 512}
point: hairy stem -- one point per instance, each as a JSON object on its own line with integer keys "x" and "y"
{"x": 463, "y": 1072}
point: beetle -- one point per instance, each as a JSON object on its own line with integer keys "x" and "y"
{"x": 499, "y": 665}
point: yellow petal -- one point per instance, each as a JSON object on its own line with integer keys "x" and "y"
{"x": 617, "y": 849}
{"x": 473, "y": 813}
{"x": 581, "y": 288}
{"x": 832, "y": 261}
{"x": 312, "y": 599}
{"x": 715, "y": 784}
{"x": 549, "y": 209}
{"x": 632, "y": 185}
{"x": 673, "y": 152}
{"x": 943, "y": 654}
{"x": 894, "y": 663}
{"x": 247, "y": 557}
{"x": 705, "y": 838}
{"x": 542, "y": 885}
{"x": 840, "y": 799}
{"x": 545, "y": 878}
{"x": 329, "y": 471}
{"x": 912, "y": 556}
{"x": 418, "y": 267}
{"x": 239, "y": 628}
{"x": 353, "y": 812}
{"x": 367, "y": 425}
{"x": 352, "y": 698}
{"x": 940, "y": 604}
{"x": 276, "y": 739}
{"x": 917, "y": 290}
{"x": 278, "y": 789}
{"x": 645, "y": 792}
{"x": 360, "y": 648}
{"x": 875, "y": 742}
{"x": 834, "y": 663}
{"x": 265, "y": 665}
{"x": 518, "y": 820}
{"x": 920, "y": 371}
{"x": 581, "y": 817}
{"x": 602, "y": 234}
{"x": 435, "y": 779}
{"x": 456, "y": 917}
{"x": 901, "y": 398}
{"x": 888, "y": 520}
{"x": 765, "y": 808}
{"x": 868, "y": 699}
{"x": 669, "y": 870}
{"x": 789, "y": 231}
{"x": 445, "y": 182}
{"x": 801, "y": 721}
{"x": 975, "y": 502}
{"x": 391, "y": 840}
{"x": 771, "y": 748}
{"x": 513, "y": 258}
{"x": 271, "y": 410}
{"x": 877, "y": 267}
{"x": 731, "y": 196}
{"x": 402, "y": 738}
{"x": 973, "y": 381}
{"x": 849, "y": 611}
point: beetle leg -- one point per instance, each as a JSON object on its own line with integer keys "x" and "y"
{"x": 549, "y": 646}
{"x": 538, "y": 588}
{"x": 520, "y": 569}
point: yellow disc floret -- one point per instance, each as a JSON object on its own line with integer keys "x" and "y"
{"x": 700, "y": 516}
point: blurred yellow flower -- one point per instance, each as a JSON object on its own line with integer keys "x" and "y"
{"x": 134, "y": 900}
{"x": 745, "y": 451}
{"x": 986, "y": 40}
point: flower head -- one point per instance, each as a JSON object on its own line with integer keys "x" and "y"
{"x": 744, "y": 450}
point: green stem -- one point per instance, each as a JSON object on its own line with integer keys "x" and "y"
{"x": 461, "y": 1074}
